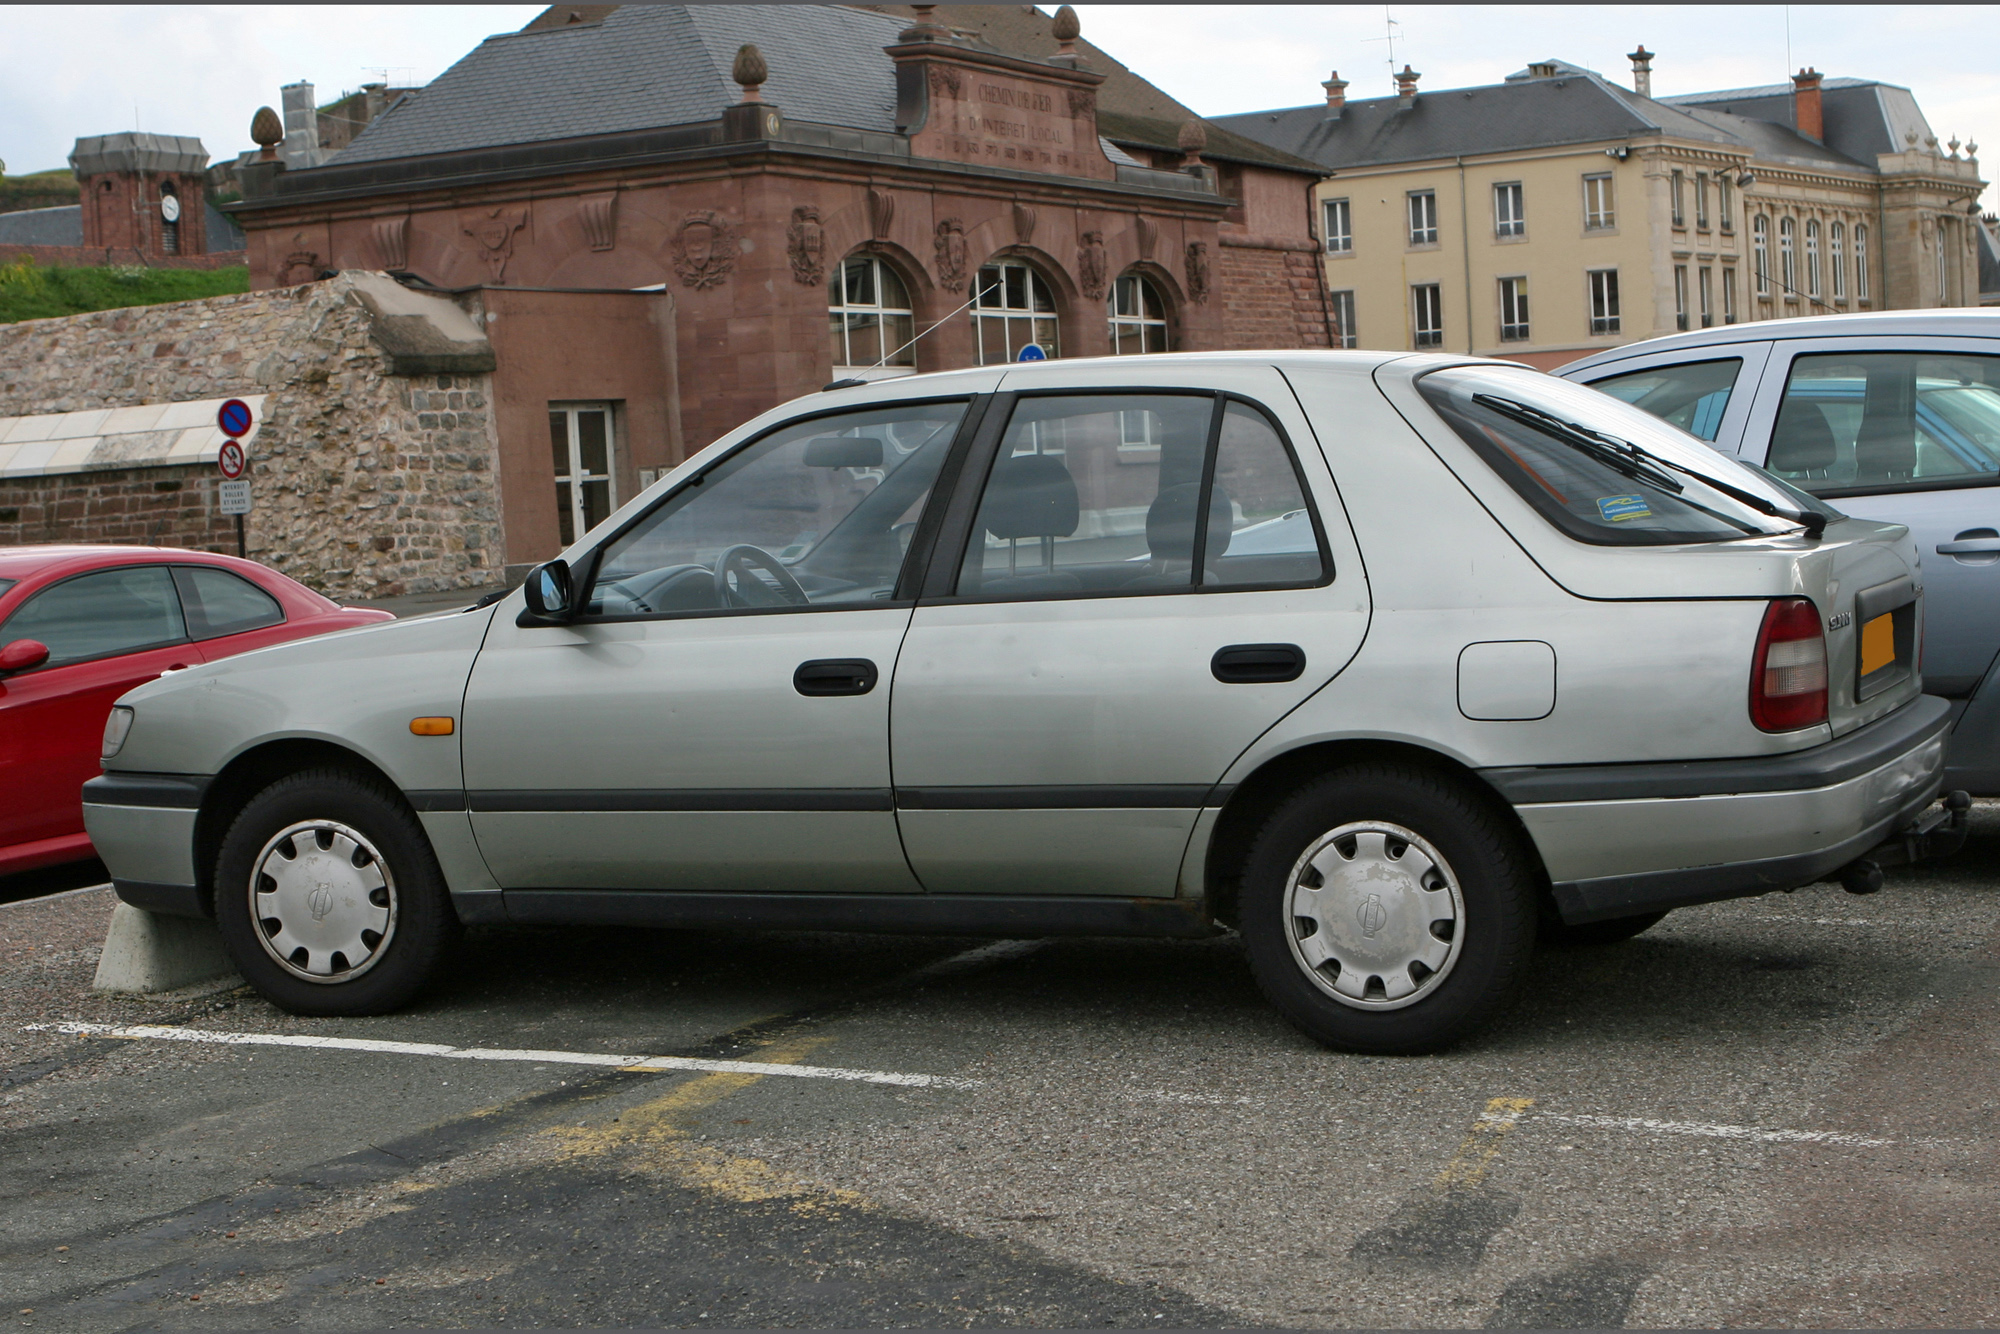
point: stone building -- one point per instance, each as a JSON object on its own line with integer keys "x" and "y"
{"x": 142, "y": 199}
{"x": 1555, "y": 213}
{"x": 825, "y": 192}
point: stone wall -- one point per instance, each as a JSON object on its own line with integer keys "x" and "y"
{"x": 1273, "y": 292}
{"x": 366, "y": 482}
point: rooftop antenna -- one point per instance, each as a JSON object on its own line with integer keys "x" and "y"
{"x": 1389, "y": 30}
{"x": 1788, "y": 41}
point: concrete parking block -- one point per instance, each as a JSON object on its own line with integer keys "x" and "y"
{"x": 146, "y": 953}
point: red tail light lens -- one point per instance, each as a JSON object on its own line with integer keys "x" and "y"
{"x": 1788, "y": 674}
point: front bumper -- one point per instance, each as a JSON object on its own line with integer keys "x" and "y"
{"x": 143, "y": 827}
{"x": 1620, "y": 840}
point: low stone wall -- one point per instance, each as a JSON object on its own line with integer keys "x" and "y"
{"x": 367, "y": 482}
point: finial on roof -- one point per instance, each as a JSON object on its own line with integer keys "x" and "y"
{"x": 924, "y": 27}
{"x": 1193, "y": 138}
{"x": 750, "y": 71}
{"x": 267, "y": 132}
{"x": 1066, "y": 27}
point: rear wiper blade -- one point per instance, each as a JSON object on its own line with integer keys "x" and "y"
{"x": 1613, "y": 453}
{"x": 1811, "y": 520}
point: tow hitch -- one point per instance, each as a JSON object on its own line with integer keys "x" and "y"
{"x": 1938, "y": 832}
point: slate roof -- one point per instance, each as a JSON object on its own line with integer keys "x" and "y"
{"x": 643, "y": 67}
{"x": 64, "y": 226}
{"x": 1861, "y": 117}
{"x": 1576, "y": 107}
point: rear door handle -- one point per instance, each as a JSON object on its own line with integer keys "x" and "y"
{"x": 1252, "y": 664}
{"x": 835, "y": 676}
{"x": 1964, "y": 548}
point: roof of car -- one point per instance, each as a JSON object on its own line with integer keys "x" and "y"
{"x": 18, "y": 561}
{"x": 1953, "y": 323}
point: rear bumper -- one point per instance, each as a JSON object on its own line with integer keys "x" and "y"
{"x": 1668, "y": 836}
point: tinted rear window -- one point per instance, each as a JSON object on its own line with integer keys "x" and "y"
{"x": 1691, "y": 396}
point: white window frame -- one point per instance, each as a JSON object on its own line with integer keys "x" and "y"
{"x": 1681, "y": 297}
{"x": 1860, "y": 261}
{"x": 1426, "y": 315}
{"x": 1151, "y": 321}
{"x": 1510, "y": 215}
{"x": 1338, "y": 218}
{"x": 1605, "y": 316}
{"x": 1760, "y": 253}
{"x": 1342, "y": 301}
{"x": 1600, "y": 210}
{"x": 1423, "y": 217}
{"x": 1728, "y": 294}
{"x": 1725, "y": 217}
{"x": 983, "y": 314}
{"x": 1701, "y": 201}
{"x": 1836, "y": 256}
{"x": 1812, "y": 258}
{"x": 1676, "y": 193}
{"x": 1514, "y": 325}
{"x": 847, "y": 366}
{"x": 579, "y": 476}
{"x": 1704, "y": 282}
{"x": 1788, "y": 258}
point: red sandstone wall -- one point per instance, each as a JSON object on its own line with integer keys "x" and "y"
{"x": 1272, "y": 295}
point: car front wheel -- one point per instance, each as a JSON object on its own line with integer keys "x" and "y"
{"x": 329, "y": 897}
{"x": 1387, "y": 910}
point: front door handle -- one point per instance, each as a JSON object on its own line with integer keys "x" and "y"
{"x": 1253, "y": 664}
{"x": 1973, "y": 541}
{"x": 835, "y": 676}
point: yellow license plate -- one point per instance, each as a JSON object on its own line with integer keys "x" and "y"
{"x": 1878, "y": 643}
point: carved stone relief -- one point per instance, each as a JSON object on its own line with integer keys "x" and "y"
{"x": 1082, "y": 101}
{"x": 1149, "y": 237}
{"x": 704, "y": 249}
{"x": 493, "y": 229}
{"x": 1024, "y": 223}
{"x": 945, "y": 81}
{"x": 881, "y": 214}
{"x": 1090, "y": 265}
{"x": 806, "y": 244}
{"x": 951, "y": 254}
{"x": 300, "y": 264}
{"x": 599, "y": 216}
{"x": 390, "y": 238}
{"x": 1197, "y": 272}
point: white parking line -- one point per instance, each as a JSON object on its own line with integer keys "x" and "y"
{"x": 161, "y": 1033}
{"x": 1649, "y": 1126}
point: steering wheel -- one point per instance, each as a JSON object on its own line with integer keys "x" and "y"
{"x": 748, "y": 590}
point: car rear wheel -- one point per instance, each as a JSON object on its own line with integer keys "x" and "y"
{"x": 1387, "y": 910}
{"x": 329, "y": 897}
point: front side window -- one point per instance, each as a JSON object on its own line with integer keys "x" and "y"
{"x": 1596, "y": 469}
{"x": 1509, "y": 217}
{"x": 1888, "y": 421}
{"x": 1760, "y": 243}
{"x": 1788, "y": 260}
{"x": 1513, "y": 310}
{"x": 1426, "y": 315}
{"x": 1423, "y": 217}
{"x": 1138, "y": 316}
{"x": 1597, "y": 210}
{"x": 1812, "y": 258}
{"x": 1339, "y": 227}
{"x": 872, "y": 322}
{"x": 818, "y": 513}
{"x": 101, "y": 614}
{"x": 1691, "y": 396}
{"x": 1343, "y": 319}
{"x": 1011, "y": 309}
{"x": 1067, "y": 509}
{"x": 1603, "y": 301}
{"x": 581, "y": 449}
{"x": 1836, "y": 254}
{"x": 219, "y": 603}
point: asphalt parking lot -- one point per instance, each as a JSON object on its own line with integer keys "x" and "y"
{"x": 1779, "y": 1111}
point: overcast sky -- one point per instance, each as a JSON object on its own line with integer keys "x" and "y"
{"x": 203, "y": 69}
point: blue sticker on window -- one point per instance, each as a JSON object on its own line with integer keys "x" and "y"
{"x": 1618, "y": 509}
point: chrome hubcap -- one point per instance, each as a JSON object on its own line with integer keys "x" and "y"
{"x": 1375, "y": 915}
{"x": 323, "y": 901}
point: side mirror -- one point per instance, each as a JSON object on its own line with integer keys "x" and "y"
{"x": 844, "y": 451}
{"x": 550, "y": 593}
{"x": 22, "y": 655}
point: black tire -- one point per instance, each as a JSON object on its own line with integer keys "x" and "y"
{"x": 335, "y": 810}
{"x": 1475, "y": 965}
{"x": 1557, "y": 934}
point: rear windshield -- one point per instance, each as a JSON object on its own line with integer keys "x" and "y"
{"x": 1600, "y": 470}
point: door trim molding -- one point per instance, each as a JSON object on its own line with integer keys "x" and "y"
{"x": 897, "y": 914}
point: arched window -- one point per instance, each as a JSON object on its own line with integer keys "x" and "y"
{"x": 1760, "y": 232}
{"x": 1788, "y": 256}
{"x": 1138, "y": 316}
{"x": 1812, "y": 257}
{"x": 868, "y": 310}
{"x": 1836, "y": 254}
{"x": 1011, "y": 309}
{"x": 1860, "y": 261}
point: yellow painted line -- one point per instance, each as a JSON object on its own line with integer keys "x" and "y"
{"x": 1468, "y": 1167}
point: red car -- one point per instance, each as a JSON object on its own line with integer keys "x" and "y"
{"x": 80, "y": 626}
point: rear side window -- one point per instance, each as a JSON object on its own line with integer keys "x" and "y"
{"x": 1599, "y": 470}
{"x": 1690, "y": 396}
{"x": 220, "y": 603}
{"x": 1857, "y": 424}
{"x": 100, "y": 614}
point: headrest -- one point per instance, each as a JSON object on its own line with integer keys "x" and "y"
{"x": 1170, "y": 523}
{"x": 1803, "y": 441}
{"x": 1031, "y": 495}
{"x": 1885, "y": 449}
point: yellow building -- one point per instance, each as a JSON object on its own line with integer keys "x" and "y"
{"x": 1554, "y": 214}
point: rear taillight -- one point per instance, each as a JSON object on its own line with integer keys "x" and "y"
{"x": 1788, "y": 674}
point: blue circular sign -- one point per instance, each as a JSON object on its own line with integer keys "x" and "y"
{"x": 234, "y": 418}
{"x": 1032, "y": 352}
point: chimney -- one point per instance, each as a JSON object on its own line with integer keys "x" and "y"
{"x": 301, "y": 110}
{"x": 1406, "y": 88}
{"x": 1336, "y": 96}
{"x": 1642, "y": 71}
{"x": 1806, "y": 116}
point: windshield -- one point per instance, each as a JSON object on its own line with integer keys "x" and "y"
{"x": 1603, "y": 471}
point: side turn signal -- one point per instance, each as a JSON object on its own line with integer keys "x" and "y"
{"x": 430, "y": 727}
